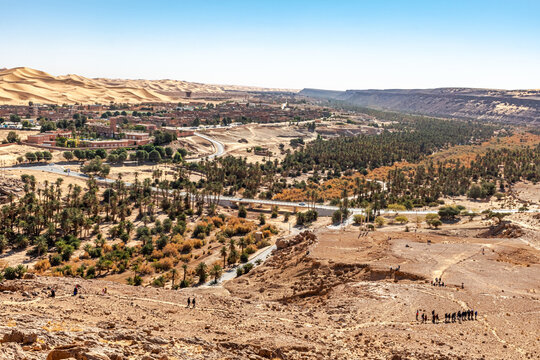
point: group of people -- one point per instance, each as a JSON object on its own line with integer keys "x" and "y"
{"x": 448, "y": 317}
{"x": 190, "y": 301}
{"x": 461, "y": 316}
{"x": 437, "y": 282}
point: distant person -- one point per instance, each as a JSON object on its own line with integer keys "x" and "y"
{"x": 188, "y": 302}
{"x": 416, "y": 315}
{"x": 53, "y": 293}
{"x": 76, "y": 290}
{"x": 462, "y": 286}
{"x": 475, "y": 315}
{"x": 193, "y": 302}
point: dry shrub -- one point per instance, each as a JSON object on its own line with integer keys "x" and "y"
{"x": 157, "y": 254}
{"x": 270, "y": 228}
{"x": 262, "y": 244}
{"x": 197, "y": 244}
{"x": 107, "y": 248}
{"x": 145, "y": 269}
{"x": 250, "y": 249}
{"x": 177, "y": 239}
{"x": 42, "y": 265}
{"x": 171, "y": 250}
{"x": 217, "y": 221}
{"x": 164, "y": 264}
{"x": 185, "y": 258}
{"x": 186, "y": 247}
{"x": 266, "y": 234}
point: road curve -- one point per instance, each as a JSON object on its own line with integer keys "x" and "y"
{"x": 220, "y": 148}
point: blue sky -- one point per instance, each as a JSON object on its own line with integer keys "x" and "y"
{"x": 294, "y": 44}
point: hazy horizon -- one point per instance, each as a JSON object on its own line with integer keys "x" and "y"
{"x": 278, "y": 44}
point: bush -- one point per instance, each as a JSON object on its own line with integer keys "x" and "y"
{"x": 56, "y": 260}
{"x": 137, "y": 280}
{"x": 436, "y": 223}
{"x": 159, "y": 281}
{"x": 359, "y": 218}
{"x": 184, "y": 284}
{"x": 380, "y": 221}
{"x": 401, "y": 219}
{"x": 430, "y": 218}
{"x": 244, "y": 258}
{"x": 307, "y": 217}
{"x": 449, "y": 212}
{"x": 164, "y": 264}
{"x": 91, "y": 272}
{"x": 42, "y": 265}
{"x": 247, "y": 268}
{"x": 10, "y": 273}
{"x": 239, "y": 271}
{"x": 242, "y": 212}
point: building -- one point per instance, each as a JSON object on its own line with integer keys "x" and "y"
{"x": 47, "y": 138}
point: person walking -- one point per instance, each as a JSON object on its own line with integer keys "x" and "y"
{"x": 188, "y": 302}
{"x": 193, "y": 302}
{"x": 416, "y": 315}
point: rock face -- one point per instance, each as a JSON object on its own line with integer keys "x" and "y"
{"x": 18, "y": 336}
{"x": 520, "y": 106}
{"x": 75, "y": 351}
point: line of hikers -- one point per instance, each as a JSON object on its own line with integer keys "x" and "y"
{"x": 448, "y": 317}
{"x": 190, "y": 301}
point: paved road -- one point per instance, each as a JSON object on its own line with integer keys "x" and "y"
{"x": 231, "y": 274}
{"x": 227, "y": 200}
{"x": 220, "y": 149}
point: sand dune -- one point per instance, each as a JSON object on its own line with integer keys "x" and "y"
{"x": 20, "y": 85}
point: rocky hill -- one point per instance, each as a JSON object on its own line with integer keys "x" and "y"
{"x": 328, "y": 295}
{"x": 521, "y": 106}
{"x": 20, "y": 85}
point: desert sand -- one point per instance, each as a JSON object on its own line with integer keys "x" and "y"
{"x": 20, "y": 85}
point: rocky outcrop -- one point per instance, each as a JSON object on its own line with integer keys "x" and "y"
{"x": 520, "y": 106}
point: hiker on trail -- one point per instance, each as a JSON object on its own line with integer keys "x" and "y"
{"x": 193, "y": 302}
{"x": 475, "y": 315}
{"x": 104, "y": 291}
{"x": 189, "y": 302}
{"x": 53, "y": 293}
{"x": 416, "y": 315}
{"x": 482, "y": 251}
{"x": 463, "y": 287}
{"x": 76, "y": 290}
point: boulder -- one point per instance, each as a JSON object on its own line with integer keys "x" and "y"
{"x": 18, "y": 336}
{"x": 76, "y": 351}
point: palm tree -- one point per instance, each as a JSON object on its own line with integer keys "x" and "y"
{"x": 184, "y": 266}
{"x": 242, "y": 242}
{"x": 200, "y": 270}
{"x": 174, "y": 272}
{"x": 223, "y": 253}
{"x": 216, "y": 272}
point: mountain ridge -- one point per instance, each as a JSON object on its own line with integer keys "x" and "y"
{"x": 467, "y": 103}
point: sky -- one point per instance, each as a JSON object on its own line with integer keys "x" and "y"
{"x": 378, "y": 44}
